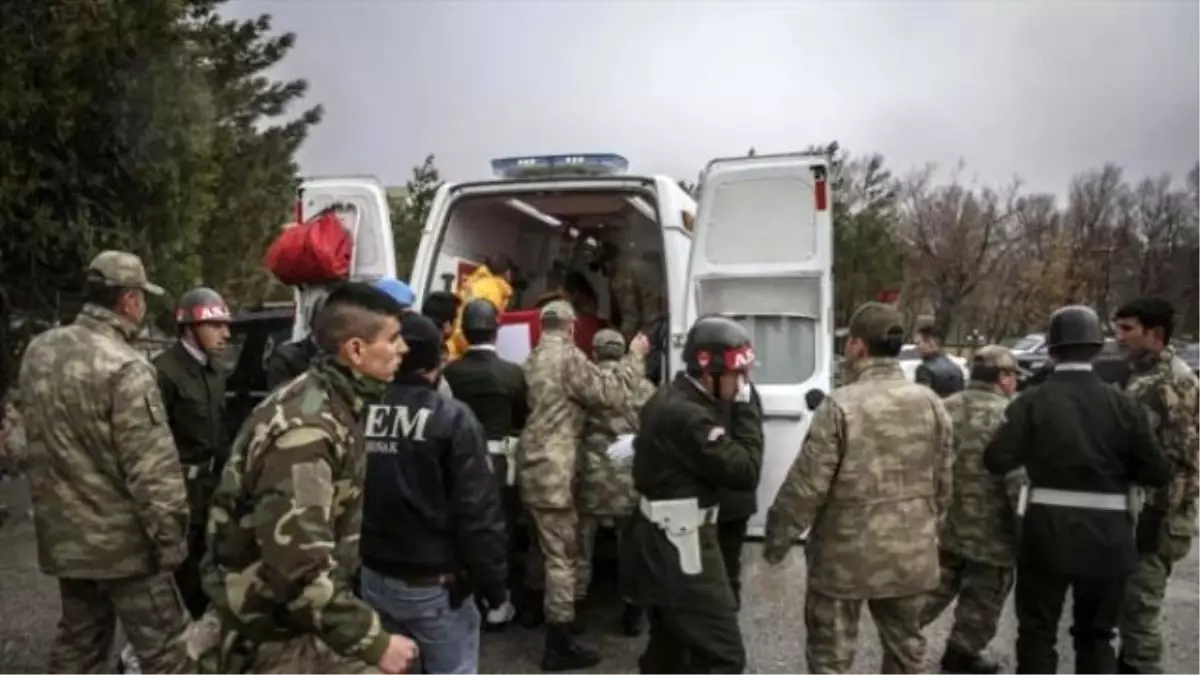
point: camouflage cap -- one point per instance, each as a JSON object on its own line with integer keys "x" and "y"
{"x": 121, "y": 269}
{"x": 997, "y": 357}
{"x": 875, "y": 321}
{"x": 607, "y": 337}
{"x": 558, "y": 309}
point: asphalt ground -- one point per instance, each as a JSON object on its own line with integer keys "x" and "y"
{"x": 772, "y": 617}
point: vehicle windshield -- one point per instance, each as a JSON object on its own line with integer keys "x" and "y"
{"x": 1026, "y": 343}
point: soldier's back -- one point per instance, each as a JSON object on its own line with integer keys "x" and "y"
{"x": 604, "y": 486}
{"x": 979, "y": 524}
{"x": 77, "y": 383}
{"x": 554, "y": 415}
{"x": 881, "y": 505}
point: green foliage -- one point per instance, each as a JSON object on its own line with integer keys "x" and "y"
{"x": 867, "y": 255}
{"x": 253, "y": 147}
{"x": 409, "y": 211}
{"x": 148, "y": 126}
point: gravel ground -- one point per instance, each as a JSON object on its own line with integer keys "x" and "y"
{"x": 772, "y": 617}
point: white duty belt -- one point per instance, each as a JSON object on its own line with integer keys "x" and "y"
{"x": 680, "y": 520}
{"x": 506, "y": 447}
{"x": 1100, "y": 501}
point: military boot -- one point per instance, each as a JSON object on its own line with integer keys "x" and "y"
{"x": 532, "y": 611}
{"x": 631, "y": 620}
{"x": 954, "y": 661}
{"x": 563, "y": 652}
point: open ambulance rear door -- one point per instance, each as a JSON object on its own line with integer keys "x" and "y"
{"x": 370, "y": 224}
{"x": 762, "y": 253}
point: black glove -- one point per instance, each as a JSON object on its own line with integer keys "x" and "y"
{"x": 1150, "y": 530}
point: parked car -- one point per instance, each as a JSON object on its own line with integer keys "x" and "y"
{"x": 1111, "y": 365}
{"x": 1028, "y": 344}
{"x": 910, "y": 359}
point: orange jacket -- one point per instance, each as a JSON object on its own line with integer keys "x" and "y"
{"x": 481, "y": 284}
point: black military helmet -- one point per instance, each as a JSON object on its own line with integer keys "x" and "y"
{"x": 717, "y": 344}
{"x": 201, "y": 305}
{"x": 480, "y": 315}
{"x": 1074, "y": 325}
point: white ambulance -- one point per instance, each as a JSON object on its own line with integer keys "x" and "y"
{"x": 758, "y": 247}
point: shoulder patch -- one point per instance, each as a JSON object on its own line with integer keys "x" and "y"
{"x": 715, "y": 434}
{"x": 312, "y": 401}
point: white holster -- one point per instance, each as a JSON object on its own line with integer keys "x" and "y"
{"x": 1023, "y": 500}
{"x": 506, "y": 447}
{"x": 680, "y": 520}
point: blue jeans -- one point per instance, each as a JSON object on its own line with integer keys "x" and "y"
{"x": 448, "y": 638}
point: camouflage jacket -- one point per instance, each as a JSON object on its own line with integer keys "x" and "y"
{"x": 872, "y": 479}
{"x": 606, "y": 487}
{"x": 980, "y": 524}
{"x": 284, "y": 524}
{"x": 108, "y": 493}
{"x": 1167, "y": 390}
{"x": 636, "y": 296}
{"x": 563, "y": 384}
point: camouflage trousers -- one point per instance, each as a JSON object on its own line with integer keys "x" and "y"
{"x": 832, "y": 625}
{"x": 588, "y": 526}
{"x": 557, "y": 551}
{"x": 150, "y": 613}
{"x": 1140, "y": 625}
{"x": 981, "y": 589}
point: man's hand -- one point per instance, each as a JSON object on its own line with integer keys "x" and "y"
{"x": 775, "y": 555}
{"x": 170, "y": 558}
{"x": 640, "y": 344}
{"x": 400, "y": 656}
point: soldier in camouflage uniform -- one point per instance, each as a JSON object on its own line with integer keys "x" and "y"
{"x": 563, "y": 384}
{"x": 605, "y": 485}
{"x": 1166, "y": 389}
{"x": 108, "y": 494}
{"x": 635, "y": 292}
{"x": 978, "y": 534}
{"x": 872, "y": 479}
{"x": 284, "y": 524}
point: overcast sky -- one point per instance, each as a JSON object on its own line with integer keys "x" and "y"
{"x": 1039, "y": 89}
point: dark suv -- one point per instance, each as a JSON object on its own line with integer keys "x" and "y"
{"x": 1111, "y": 365}
{"x": 254, "y": 335}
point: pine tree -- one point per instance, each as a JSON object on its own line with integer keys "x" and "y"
{"x": 409, "y": 212}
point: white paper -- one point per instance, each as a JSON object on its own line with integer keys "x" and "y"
{"x": 513, "y": 342}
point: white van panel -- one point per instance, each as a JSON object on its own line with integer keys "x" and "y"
{"x": 763, "y": 252}
{"x": 374, "y": 255}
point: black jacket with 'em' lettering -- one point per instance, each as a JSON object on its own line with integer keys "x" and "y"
{"x": 430, "y": 506}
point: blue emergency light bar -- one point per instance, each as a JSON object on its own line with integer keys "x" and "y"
{"x": 544, "y": 166}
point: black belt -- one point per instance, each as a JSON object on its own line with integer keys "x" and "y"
{"x": 428, "y": 582}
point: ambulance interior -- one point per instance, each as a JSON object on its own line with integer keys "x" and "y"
{"x": 546, "y": 234}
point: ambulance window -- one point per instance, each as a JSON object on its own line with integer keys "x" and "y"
{"x": 779, "y": 346}
{"x": 780, "y": 313}
{"x": 784, "y": 232}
